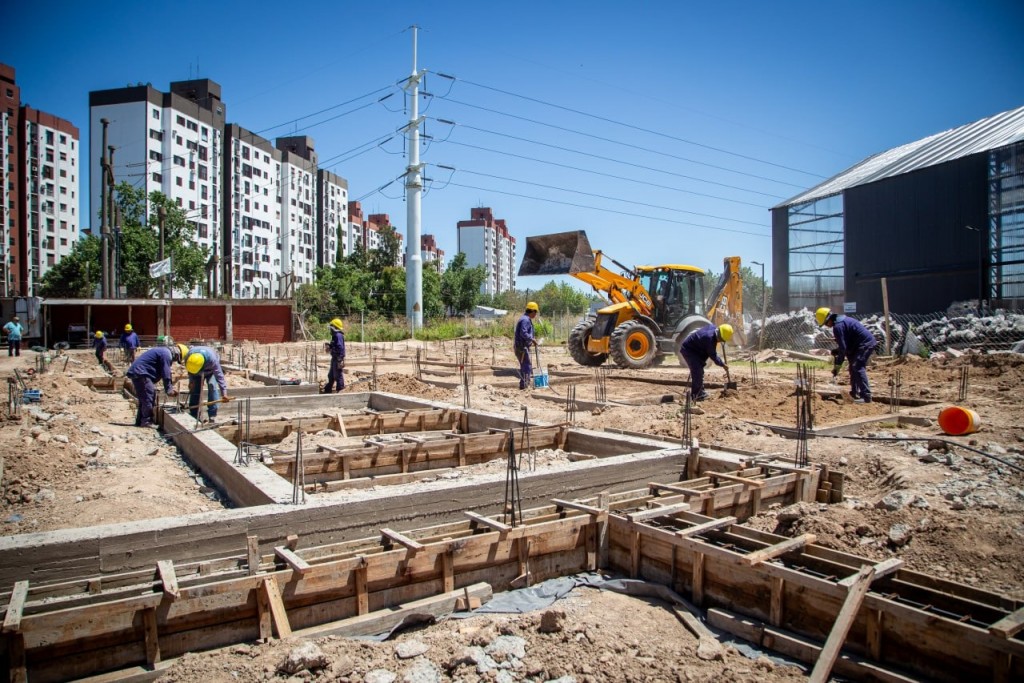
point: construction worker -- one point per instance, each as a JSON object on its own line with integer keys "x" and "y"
{"x": 203, "y": 366}
{"x": 697, "y": 348}
{"x": 100, "y": 344}
{"x": 523, "y": 339}
{"x": 336, "y": 374}
{"x": 153, "y": 366}
{"x": 855, "y": 343}
{"x": 14, "y": 330}
{"x": 129, "y": 343}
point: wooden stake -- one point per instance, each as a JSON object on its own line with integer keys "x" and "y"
{"x": 698, "y": 579}
{"x": 278, "y": 613}
{"x": 152, "y": 636}
{"x": 12, "y": 620}
{"x": 844, "y": 621}
{"x": 169, "y": 579}
{"x": 773, "y": 551}
{"x": 253, "y": 553}
{"x": 362, "y": 598}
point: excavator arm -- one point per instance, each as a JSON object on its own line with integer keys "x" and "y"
{"x": 725, "y": 303}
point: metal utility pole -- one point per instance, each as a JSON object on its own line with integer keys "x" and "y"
{"x": 114, "y": 227}
{"x": 413, "y": 194}
{"x": 161, "y": 214}
{"x": 104, "y": 221}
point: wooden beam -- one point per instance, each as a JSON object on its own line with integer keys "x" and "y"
{"x": 713, "y": 525}
{"x": 682, "y": 490}
{"x": 252, "y": 544}
{"x": 1008, "y": 626}
{"x": 776, "y": 607}
{"x": 298, "y": 564}
{"x": 773, "y": 551}
{"x": 152, "y": 636}
{"x": 842, "y": 625}
{"x": 278, "y": 613}
{"x": 486, "y": 521}
{"x": 884, "y": 568}
{"x": 169, "y": 579}
{"x": 658, "y": 511}
{"x": 362, "y": 597}
{"x": 448, "y": 570}
{"x": 15, "y": 607}
{"x": 746, "y": 481}
{"x": 572, "y": 505}
{"x": 16, "y": 658}
{"x": 402, "y": 540}
{"x": 698, "y": 579}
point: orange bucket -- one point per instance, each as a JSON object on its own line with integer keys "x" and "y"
{"x": 957, "y": 421}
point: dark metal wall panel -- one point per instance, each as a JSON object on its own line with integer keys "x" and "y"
{"x": 910, "y": 229}
{"x": 780, "y": 259}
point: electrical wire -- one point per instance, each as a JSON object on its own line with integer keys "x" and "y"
{"x": 327, "y": 109}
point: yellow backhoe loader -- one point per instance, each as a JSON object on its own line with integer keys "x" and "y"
{"x": 652, "y": 308}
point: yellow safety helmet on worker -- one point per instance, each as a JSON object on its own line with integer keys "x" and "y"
{"x": 182, "y": 352}
{"x": 822, "y": 315}
{"x": 725, "y": 332}
{"x": 194, "y": 364}
{"x": 128, "y": 327}
{"x": 532, "y": 306}
{"x": 99, "y": 335}
{"x": 337, "y": 324}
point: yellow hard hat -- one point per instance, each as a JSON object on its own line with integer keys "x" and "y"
{"x": 337, "y": 324}
{"x": 182, "y": 352}
{"x": 128, "y": 327}
{"x": 725, "y": 332}
{"x": 532, "y": 306}
{"x": 99, "y": 335}
{"x": 822, "y": 314}
{"x": 195, "y": 363}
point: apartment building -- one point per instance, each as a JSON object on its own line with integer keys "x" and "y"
{"x": 485, "y": 240}
{"x": 431, "y": 255}
{"x": 171, "y": 142}
{"x": 298, "y": 198}
{"x": 331, "y": 218}
{"x": 39, "y": 190}
{"x": 372, "y": 227}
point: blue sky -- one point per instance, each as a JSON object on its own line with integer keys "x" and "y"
{"x": 664, "y": 129}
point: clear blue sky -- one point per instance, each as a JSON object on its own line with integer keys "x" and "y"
{"x": 776, "y": 96}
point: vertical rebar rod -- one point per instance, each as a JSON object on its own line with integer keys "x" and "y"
{"x": 512, "y": 510}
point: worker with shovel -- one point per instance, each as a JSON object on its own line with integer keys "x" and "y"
{"x": 100, "y": 344}
{"x": 855, "y": 343}
{"x": 203, "y": 366}
{"x": 697, "y": 348}
{"x": 524, "y": 339}
{"x": 336, "y": 374}
{"x": 129, "y": 343}
{"x": 153, "y": 366}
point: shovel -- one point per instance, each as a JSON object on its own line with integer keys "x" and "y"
{"x": 729, "y": 384}
{"x": 222, "y": 399}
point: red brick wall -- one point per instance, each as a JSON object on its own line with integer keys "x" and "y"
{"x": 268, "y": 324}
{"x": 197, "y": 323}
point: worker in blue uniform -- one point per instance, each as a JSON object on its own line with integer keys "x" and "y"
{"x": 100, "y": 344}
{"x": 129, "y": 343}
{"x": 336, "y": 373}
{"x": 697, "y": 348}
{"x": 203, "y": 367}
{"x": 855, "y": 343}
{"x": 153, "y": 366}
{"x": 523, "y": 339}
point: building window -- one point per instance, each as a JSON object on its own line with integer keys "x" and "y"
{"x": 63, "y": 139}
{"x": 157, "y": 178}
{"x": 156, "y": 135}
{"x": 177, "y": 181}
{"x": 816, "y": 254}
{"x": 179, "y": 161}
{"x": 202, "y": 172}
{"x": 49, "y": 137}
{"x": 1005, "y": 274}
{"x": 180, "y": 120}
{"x": 155, "y": 155}
{"x": 202, "y": 231}
{"x": 156, "y": 114}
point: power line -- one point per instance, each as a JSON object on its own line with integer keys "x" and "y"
{"x": 633, "y": 127}
{"x": 620, "y": 213}
{"x": 335, "y": 106}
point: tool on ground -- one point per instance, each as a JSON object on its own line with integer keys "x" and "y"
{"x": 222, "y": 399}
{"x": 729, "y": 384}
{"x": 540, "y": 376}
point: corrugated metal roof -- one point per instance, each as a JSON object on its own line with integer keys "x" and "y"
{"x": 981, "y": 136}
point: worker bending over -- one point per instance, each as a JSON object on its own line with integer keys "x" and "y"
{"x": 203, "y": 367}
{"x": 523, "y": 339}
{"x": 129, "y": 343}
{"x": 336, "y": 374}
{"x": 153, "y": 366}
{"x": 697, "y": 348}
{"x": 100, "y": 344}
{"x": 855, "y": 343}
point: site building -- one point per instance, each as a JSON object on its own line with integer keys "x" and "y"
{"x": 331, "y": 218}
{"x": 431, "y": 253}
{"x": 39, "y": 190}
{"x": 486, "y": 241}
{"x": 940, "y": 219}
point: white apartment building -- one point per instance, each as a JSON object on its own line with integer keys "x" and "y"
{"x": 431, "y": 255}
{"x": 485, "y": 241}
{"x": 39, "y": 216}
{"x": 332, "y": 226}
{"x": 298, "y": 198}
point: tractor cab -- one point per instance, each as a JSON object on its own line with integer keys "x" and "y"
{"x": 677, "y": 291}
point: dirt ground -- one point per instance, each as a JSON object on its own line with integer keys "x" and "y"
{"x": 953, "y": 511}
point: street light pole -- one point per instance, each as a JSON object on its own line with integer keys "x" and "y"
{"x": 981, "y": 269}
{"x": 764, "y": 305}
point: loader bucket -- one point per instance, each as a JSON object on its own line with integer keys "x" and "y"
{"x": 562, "y": 253}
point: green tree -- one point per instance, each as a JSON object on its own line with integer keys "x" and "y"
{"x": 460, "y": 285}
{"x": 433, "y": 306}
{"x": 753, "y": 287}
{"x": 386, "y": 254}
{"x": 77, "y": 275}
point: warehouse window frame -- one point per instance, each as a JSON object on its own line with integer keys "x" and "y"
{"x": 1006, "y": 226}
{"x": 816, "y": 252}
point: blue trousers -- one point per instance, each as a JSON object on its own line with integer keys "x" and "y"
{"x": 696, "y": 364}
{"x": 525, "y": 367}
{"x": 195, "y": 390}
{"x": 145, "y": 391}
{"x": 336, "y": 375}
{"x": 13, "y": 347}
{"x": 859, "y": 386}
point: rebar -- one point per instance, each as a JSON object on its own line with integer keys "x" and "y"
{"x": 512, "y": 510}
{"x": 804, "y": 414}
{"x": 524, "y": 438}
{"x": 465, "y": 391}
{"x": 895, "y": 391}
{"x": 600, "y": 385}
{"x": 965, "y": 372}
{"x": 687, "y": 420}
{"x": 570, "y": 403}
{"x": 299, "y": 480}
{"x": 753, "y": 372}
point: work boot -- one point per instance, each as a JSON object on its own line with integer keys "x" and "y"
{"x": 702, "y": 396}
{"x": 863, "y": 399}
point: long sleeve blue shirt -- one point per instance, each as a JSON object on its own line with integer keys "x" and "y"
{"x": 337, "y": 344}
{"x": 211, "y": 367}
{"x": 100, "y": 343}
{"x": 155, "y": 364}
{"x": 851, "y": 336}
{"x": 524, "y": 332}
{"x": 703, "y": 343}
{"x": 130, "y": 341}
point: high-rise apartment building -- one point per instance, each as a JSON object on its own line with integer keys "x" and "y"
{"x": 485, "y": 241}
{"x": 430, "y": 253}
{"x": 331, "y": 218}
{"x": 39, "y": 190}
{"x": 298, "y": 198}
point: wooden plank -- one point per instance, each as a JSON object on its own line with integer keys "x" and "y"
{"x": 1007, "y": 627}
{"x": 659, "y": 511}
{"x": 884, "y": 568}
{"x": 746, "y": 481}
{"x": 448, "y": 570}
{"x": 836, "y": 638}
{"x": 573, "y": 505}
{"x": 278, "y": 613}
{"x": 341, "y": 425}
{"x": 778, "y": 592}
{"x": 266, "y": 620}
{"x": 16, "y": 658}
{"x": 486, "y": 521}
{"x": 15, "y": 607}
{"x": 634, "y": 554}
{"x": 402, "y": 540}
{"x": 292, "y": 560}
{"x": 874, "y": 633}
{"x": 253, "y": 554}
{"x": 698, "y": 529}
{"x": 152, "y": 636}
{"x": 168, "y": 579}
{"x": 682, "y": 490}
{"x": 698, "y": 579}
{"x": 603, "y": 502}
{"x": 773, "y": 551}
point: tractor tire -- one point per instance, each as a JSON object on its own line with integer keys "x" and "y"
{"x": 633, "y": 346}
{"x": 578, "y": 339}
